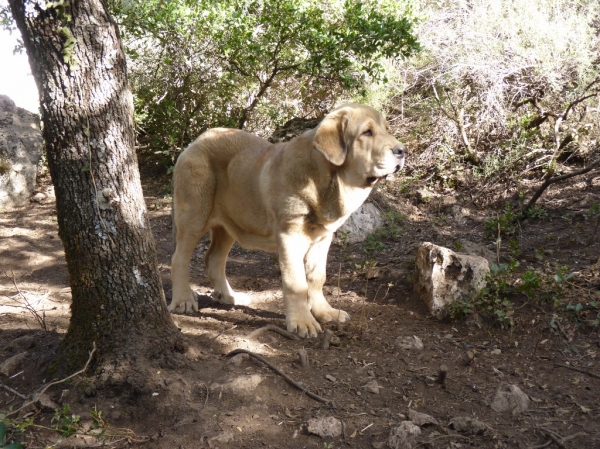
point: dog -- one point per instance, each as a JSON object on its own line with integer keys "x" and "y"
{"x": 286, "y": 198}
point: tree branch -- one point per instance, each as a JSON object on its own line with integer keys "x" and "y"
{"x": 551, "y": 180}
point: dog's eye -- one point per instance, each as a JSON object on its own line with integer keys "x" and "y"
{"x": 368, "y": 132}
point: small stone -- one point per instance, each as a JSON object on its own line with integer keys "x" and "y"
{"x": 330, "y": 377}
{"x": 468, "y": 357}
{"x": 421, "y": 419}
{"x": 409, "y": 343}
{"x": 403, "y": 436}
{"x": 329, "y": 427}
{"x": 221, "y": 440}
{"x": 465, "y": 424}
{"x": 496, "y": 351}
{"x": 372, "y": 387}
{"x": 510, "y": 398}
{"x": 13, "y": 364}
{"x": 237, "y": 360}
{"x": 44, "y": 402}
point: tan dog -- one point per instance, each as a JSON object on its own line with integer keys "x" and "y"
{"x": 286, "y": 198}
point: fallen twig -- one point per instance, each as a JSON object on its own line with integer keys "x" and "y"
{"x": 56, "y": 382}
{"x": 276, "y": 329}
{"x": 281, "y": 373}
{"x": 222, "y": 332}
{"x": 579, "y": 370}
{"x": 558, "y": 439}
{"x": 13, "y": 391}
{"x": 40, "y": 319}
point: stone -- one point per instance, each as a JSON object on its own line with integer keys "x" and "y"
{"x": 466, "y": 424}
{"x": 20, "y": 153}
{"x": 421, "y": 419}
{"x": 510, "y": 398}
{"x": 443, "y": 276}
{"x": 11, "y": 365}
{"x": 475, "y": 249}
{"x": 409, "y": 343}
{"x": 22, "y": 343}
{"x": 329, "y": 427}
{"x": 362, "y": 222}
{"x": 44, "y": 402}
{"x": 221, "y": 440}
{"x": 372, "y": 387}
{"x": 403, "y": 436}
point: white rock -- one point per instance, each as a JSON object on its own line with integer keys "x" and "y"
{"x": 421, "y": 419}
{"x": 11, "y": 365}
{"x": 403, "y": 436}
{"x": 221, "y": 440}
{"x": 443, "y": 276}
{"x": 20, "y": 153}
{"x": 372, "y": 387}
{"x": 466, "y": 424}
{"x": 364, "y": 221}
{"x": 329, "y": 427}
{"x": 510, "y": 398}
{"x": 409, "y": 342}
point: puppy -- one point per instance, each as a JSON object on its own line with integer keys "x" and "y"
{"x": 287, "y": 198}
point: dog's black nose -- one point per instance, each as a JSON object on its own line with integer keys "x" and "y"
{"x": 398, "y": 151}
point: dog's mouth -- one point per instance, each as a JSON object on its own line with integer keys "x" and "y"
{"x": 373, "y": 179}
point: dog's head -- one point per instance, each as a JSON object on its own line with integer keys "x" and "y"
{"x": 355, "y": 138}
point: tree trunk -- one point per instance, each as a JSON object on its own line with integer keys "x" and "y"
{"x": 78, "y": 63}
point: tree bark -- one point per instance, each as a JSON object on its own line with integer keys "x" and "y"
{"x": 78, "y": 63}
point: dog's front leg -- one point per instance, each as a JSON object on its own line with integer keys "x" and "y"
{"x": 315, "y": 264}
{"x": 292, "y": 251}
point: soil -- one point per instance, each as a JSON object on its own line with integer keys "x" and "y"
{"x": 211, "y": 400}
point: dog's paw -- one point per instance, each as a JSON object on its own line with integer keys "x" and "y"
{"x": 304, "y": 325}
{"x": 237, "y": 299}
{"x": 330, "y": 314}
{"x": 184, "y": 306}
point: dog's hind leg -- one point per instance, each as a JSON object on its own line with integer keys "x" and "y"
{"x": 215, "y": 261}
{"x": 187, "y": 237}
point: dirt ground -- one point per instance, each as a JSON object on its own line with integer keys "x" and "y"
{"x": 372, "y": 382}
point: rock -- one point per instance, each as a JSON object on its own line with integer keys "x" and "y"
{"x": 403, "y": 436}
{"x": 409, "y": 342}
{"x": 421, "y": 419}
{"x": 11, "y": 365}
{"x": 372, "y": 387}
{"x": 475, "y": 249}
{"x": 443, "y": 276}
{"x": 242, "y": 384}
{"x": 466, "y": 424}
{"x": 22, "y": 343}
{"x": 20, "y": 153}
{"x": 510, "y": 398}
{"x": 329, "y": 427}
{"x": 221, "y": 440}
{"x": 44, "y": 402}
{"x": 237, "y": 359}
{"x": 364, "y": 221}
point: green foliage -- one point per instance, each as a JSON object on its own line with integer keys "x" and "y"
{"x": 9, "y": 430}
{"x": 200, "y": 64}
{"x": 493, "y": 300}
{"x": 391, "y": 229}
{"x": 504, "y": 224}
{"x": 64, "y": 422}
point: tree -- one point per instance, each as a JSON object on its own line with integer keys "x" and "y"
{"x": 197, "y": 64}
{"x": 78, "y": 63}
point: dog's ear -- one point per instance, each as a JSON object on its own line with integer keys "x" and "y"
{"x": 330, "y": 137}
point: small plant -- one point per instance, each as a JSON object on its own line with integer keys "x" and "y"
{"x": 64, "y": 422}
{"x": 503, "y": 224}
{"x": 4, "y": 437}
